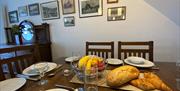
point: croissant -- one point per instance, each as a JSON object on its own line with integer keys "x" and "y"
{"x": 142, "y": 84}
{"x": 156, "y": 81}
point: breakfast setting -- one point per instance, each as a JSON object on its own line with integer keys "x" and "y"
{"x": 126, "y": 76}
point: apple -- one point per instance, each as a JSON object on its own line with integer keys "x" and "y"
{"x": 101, "y": 66}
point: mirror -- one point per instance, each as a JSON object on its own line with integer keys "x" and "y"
{"x": 27, "y": 30}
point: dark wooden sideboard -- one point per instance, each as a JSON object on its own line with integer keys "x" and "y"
{"x": 41, "y": 38}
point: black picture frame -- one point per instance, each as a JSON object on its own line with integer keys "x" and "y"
{"x": 116, "y": 13}
{"x": 33, "y": 9}
{"x": 90, "y": 8}
{"x": 13, "y": 17}
{"x": 69, "y": 21}
{"x": 112, "y": 1}
{"x": 48, "y": 12}
{"x": 68, "y": 6}
{"x": 23, "y": 11}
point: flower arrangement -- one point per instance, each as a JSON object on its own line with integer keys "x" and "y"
{"x": 16, "y": 30}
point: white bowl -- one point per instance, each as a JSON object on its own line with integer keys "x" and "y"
{"x": 136, "y": 60}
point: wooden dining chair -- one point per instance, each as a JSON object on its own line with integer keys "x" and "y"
{"x": 140, "y": 49}
{"x": 24, "y": 56}
{"x": 101, "y": 49}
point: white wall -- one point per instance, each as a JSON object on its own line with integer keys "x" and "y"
{"x": 143, "y": 23}
{"x": 2, "y": 23}
{"x": 169, "y": 8}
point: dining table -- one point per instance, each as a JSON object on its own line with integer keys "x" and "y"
{"x": 167, "y": 71}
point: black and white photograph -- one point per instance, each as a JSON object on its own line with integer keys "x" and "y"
{"x": 116, "y": 13}
{"x": 112, "y": 1}
{"x": 68, "y": 6}
{"x": 23, "y": 11}
{"x": 50, "y": 10}
{"x": 89, "y": 8}
{"x": 13, "y": 17}
{"x": 33, "y": 9}
{"x": 69, "y": 21}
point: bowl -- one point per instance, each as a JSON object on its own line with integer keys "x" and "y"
{"x": 80, "y": 73}
{"x": 136, "y": 60}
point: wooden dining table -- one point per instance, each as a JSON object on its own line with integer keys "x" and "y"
{"x": 167, "y": 72}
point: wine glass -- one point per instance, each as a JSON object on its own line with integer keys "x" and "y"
{"x": 41, "y": 68}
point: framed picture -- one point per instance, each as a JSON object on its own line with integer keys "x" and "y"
{"x": 116, "y": 13}
{"x": 112, "y": 1}
{"x": 68, "y": 6}
{"x": 34, "y": 9}
{"x": 90, "y": 8}
{"x": 50, "y": 10}
{"x": 23, "y": 11}
{"x": 69, "y": 21}
{"x": 13, "y": 17}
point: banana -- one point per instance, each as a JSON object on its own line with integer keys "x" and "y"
{"x": 83, "y": 61}
{"x": 88, "y": 66}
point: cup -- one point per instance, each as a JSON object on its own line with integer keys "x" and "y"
{"x": 41, "y": 68}
{"x": 178, "y": 83}
{"x": 67, "y": 72}
{"x": 91, "y": 78}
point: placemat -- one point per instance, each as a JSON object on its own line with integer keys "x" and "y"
{"x": 102, "y": 83}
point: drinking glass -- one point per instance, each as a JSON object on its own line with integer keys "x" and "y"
{"x": 41, "y": 69}
{"x": 91, "y": 78}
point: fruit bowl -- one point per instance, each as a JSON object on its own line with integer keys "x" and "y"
{"x": 86, "y": 63}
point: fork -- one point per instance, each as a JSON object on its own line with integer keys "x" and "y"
{"x": 56, "y": 70}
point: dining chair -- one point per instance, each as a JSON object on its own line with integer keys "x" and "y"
{"x": 101, "y": 49}
{"x": 24, "y": 56}
{"x": 140, "y": 49}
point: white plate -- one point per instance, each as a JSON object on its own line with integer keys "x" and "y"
{"x": 114, "y": 61}
{"x": 57, "y": 89}
{"x": 146, "y": 64}
{"x": 30, "y": 71}
{"x": 12, "y": 84}
{"x": 71, "y": 59}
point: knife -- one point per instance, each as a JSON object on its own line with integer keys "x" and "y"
{"x": 65, "y": 87}
{"x": 27, "y": 77}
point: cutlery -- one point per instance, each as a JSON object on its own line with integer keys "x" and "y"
{"x": 27, "y": 77}
{"x": 69, "y": 88}
{"x": 155, "y": 68}
{"x": 56, "y": 70}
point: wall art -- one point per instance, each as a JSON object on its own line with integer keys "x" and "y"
{"x": 68, "y": 6}
{"x": 116, "y": 13}
{"x": 90, "y": 8}
{"x": 50, "y": 10}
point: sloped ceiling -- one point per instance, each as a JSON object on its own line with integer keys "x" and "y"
{"x": 169, "y": 8}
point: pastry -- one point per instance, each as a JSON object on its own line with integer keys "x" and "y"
{"x": 149, "y": 81}
{"x": 156, "y": 81}
{"x": 122, "y": 75}
{"x": 143, "y": 84}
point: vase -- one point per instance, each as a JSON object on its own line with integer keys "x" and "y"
{"x": 18, "y": 39}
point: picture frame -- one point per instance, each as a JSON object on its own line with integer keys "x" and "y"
{"x": 68, "y": 6}
{"x": 90, "y": 8}
{"x": 112, "y": 1}
{"x": 34, "y": 9}
{"x": 13, "y": 17}
{"x": 69, "y": 21}
{"x": 50, "y": 10}
{"x": 116, "y": 13}
{"x": 23, "y": 11}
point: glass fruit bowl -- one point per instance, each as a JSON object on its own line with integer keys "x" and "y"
{"x": 79, "y": 67}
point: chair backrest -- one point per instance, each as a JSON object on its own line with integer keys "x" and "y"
{"x": 136, "y": 49}
{"x": 21, "y": 57}
{"x": 101, "y": 49}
